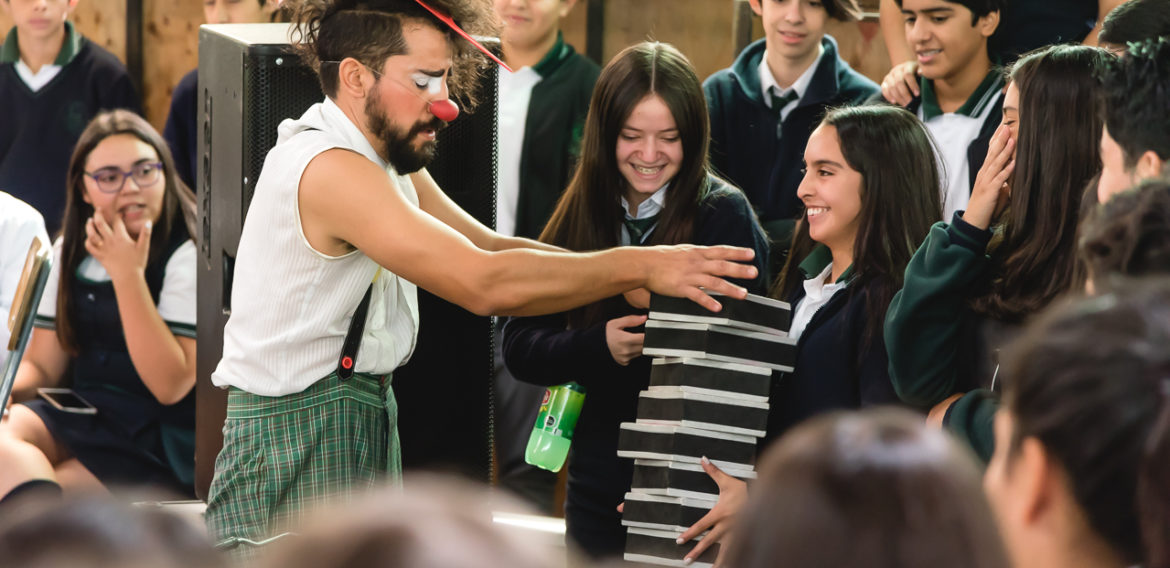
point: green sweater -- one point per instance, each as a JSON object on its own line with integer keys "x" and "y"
{"x": 934, "y": 339}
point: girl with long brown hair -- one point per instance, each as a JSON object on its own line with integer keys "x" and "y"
{"x": 642, "y": 179}
{"x": 116, "y": 322}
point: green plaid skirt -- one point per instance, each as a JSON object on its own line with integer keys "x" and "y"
{"x": 283, "y": 456}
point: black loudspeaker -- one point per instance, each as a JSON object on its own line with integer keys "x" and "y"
{"x": 250, "y": 79}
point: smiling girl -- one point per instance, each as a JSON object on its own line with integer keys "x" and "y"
{"x": 643, "y": 179}
{"x": 116, "y": 323}
{"x": 870, "y": 192}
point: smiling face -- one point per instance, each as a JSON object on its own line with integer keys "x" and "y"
{"x": 39, "y": 19}
{"x": 942, "y": 37}
{"x": 792, "y": 28}
{"x": 830, "y": 191}
{"x": 531, "y": 22}
{"x": 649, "y": 149}
{"x": 135, "y": 203}
{"x": 398, "y": 118}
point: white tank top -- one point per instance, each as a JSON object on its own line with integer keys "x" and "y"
{"x": 291, "y": 304}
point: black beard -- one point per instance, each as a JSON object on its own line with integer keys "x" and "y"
{"x": 400, "y": 152}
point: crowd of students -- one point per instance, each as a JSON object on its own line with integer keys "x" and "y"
{"x": 978, "y": 241}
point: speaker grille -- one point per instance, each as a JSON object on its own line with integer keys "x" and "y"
{"x": 276, "y": 87}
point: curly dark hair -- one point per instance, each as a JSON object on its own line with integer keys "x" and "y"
{"x": 1129, "y": 235}
{"x": 1137, "y": 94}
{"x": 370, "y": 31}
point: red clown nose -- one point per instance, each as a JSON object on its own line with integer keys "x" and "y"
{"x": 444, "y": 110}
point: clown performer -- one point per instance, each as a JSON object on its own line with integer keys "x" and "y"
{"x": 344, "y": 224}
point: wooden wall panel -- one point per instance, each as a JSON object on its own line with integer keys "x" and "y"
{"x": 699, "y": 28}
{"x": 171, "y": 36}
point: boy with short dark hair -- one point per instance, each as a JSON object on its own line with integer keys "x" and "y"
{"x": 1135, "y": 142}
{"x": 52, "y": 82}
{"x": 1132, "y": 22}
{"x": 766, "y": 104}
{"x": 961, "y": 92}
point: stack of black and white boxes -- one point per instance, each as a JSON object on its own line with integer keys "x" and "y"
{"x": 708, "y": 397}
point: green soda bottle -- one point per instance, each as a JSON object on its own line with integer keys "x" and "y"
{"x": 548, "y": 446}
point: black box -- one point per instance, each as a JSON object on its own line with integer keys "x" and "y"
{"x": 686, "y": 445}
{"x": 675, "y": 479}
{"x": 719, "y": 343}
{"x": 659, "y": 512}
{"x": 660, "y": 547}
{"x": 704, "y": 376}
{"x": 704, "y": 412}
{"x": 755, "y": 313}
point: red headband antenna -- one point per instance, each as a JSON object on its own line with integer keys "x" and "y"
{"x": 451, "y": 24}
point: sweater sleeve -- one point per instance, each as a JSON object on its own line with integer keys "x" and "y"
{"x": 924, "y": 321}
{"x": 541, "y": 351}
{"x": 972, "y": 419}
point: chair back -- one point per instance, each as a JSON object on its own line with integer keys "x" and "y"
{"x": 24, "y": 309}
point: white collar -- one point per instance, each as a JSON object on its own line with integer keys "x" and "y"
{"x": 36, "y": 81}
{"x": 648, "y": 208}
{"x": 768, "y": 81}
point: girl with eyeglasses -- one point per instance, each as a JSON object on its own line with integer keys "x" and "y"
{"x": 116, "y": 324}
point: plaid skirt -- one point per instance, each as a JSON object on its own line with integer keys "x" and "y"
{"x": 285, "y": 456}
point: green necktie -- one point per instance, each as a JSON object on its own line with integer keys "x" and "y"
{"x": 639, "y": 227}
{"x": 779, "y": 102}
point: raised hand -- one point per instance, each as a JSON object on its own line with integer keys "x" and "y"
{"x": 111, "y": 245}
{"x": 991, "y": 192}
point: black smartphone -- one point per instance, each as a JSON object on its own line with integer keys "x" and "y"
{"x": 66, "y": 400}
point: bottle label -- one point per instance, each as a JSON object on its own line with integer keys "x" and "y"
{"x": 559, "y": 411}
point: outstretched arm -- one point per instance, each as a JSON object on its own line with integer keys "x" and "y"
{"x": 367, "y": 212}
{"x": 434, "y": 201}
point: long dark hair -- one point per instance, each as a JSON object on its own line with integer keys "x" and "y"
{"x": 875, "y": 488}
{"x": 178, "y": 206}
{"x": 588, "y": 215}
{"x": 900, "y": 200}
{"x": 1091, "y": 382}
{"x": 1057, "y": 153}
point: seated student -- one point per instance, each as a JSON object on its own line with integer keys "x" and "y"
{"x": 181, "y": 131}
{"x": 540, "y": 119}
{"x": 873, "y": 489}
{"x": 1135, "y": 143}
{"x": 961, "y": 99}
{"x": 866, "y": 214}
{"x": 1128, "y": 236}
{"x": 765, "y": 105}
{"x": 1025, "y": 25}
{"x": 642, "y": 179}
{"x": 974, "y": 280}
{"x": 52, "y": 82}
{"x": 1082, "y": 452}
{"x": 1134, "y": 21}
{"x": 117, "y": 321}
{"x": 19, "y": 225}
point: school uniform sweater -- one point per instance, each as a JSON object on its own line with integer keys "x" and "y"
{"x": 180, "y": 131}
{"x": 748, "y": 148}
{"x": 938, "y": 345}
{"x": 38, "y": 129}
{"x": 552, "y": 134}
{"x": 540, "y": 350}
{"x": 837, "y": 366}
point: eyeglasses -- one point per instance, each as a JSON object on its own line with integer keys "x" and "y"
{"x": 112, "y": 179}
